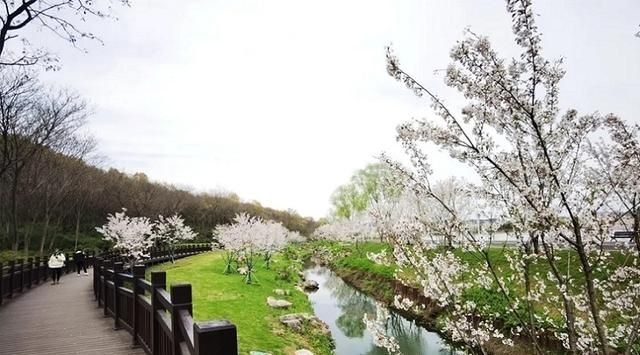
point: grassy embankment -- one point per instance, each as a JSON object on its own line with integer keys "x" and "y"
{"x": 220, "y": 296}
{"x": 378, "y": 280}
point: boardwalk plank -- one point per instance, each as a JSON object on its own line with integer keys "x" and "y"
{"x": 60, "y": 320}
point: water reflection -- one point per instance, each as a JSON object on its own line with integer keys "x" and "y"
{"x": 342, "y": 307}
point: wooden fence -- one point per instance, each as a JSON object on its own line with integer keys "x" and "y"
{"x": 159, "y": 321}
{"x": 19, "y": 276}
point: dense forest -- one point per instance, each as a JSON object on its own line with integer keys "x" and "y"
{"x": 60, "y": 198}
{"x": 51, "y": 196}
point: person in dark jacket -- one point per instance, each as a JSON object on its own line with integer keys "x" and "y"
{"x": 79, "y": 258}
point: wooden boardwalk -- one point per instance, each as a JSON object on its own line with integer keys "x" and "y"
{"x": 60, "y": 319}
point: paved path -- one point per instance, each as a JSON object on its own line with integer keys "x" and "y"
{"x": 60, "y": 320}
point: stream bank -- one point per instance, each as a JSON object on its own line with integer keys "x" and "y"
{"x": 342, "y": 306}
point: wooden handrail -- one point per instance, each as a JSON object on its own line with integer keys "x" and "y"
{"x": 159, "y": 321}
{"x": 19, "y": 276}
{"x": 165, "y": 299}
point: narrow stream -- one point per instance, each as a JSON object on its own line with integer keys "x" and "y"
{"x": 342, "y": 307}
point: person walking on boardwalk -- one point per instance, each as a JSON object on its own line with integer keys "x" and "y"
{"x": 56, "y": 263}
{"x": 79, "y": 258}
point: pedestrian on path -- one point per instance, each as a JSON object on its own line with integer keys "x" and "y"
{"x": 56, "y": 263}
{"x": 79, "y": 258}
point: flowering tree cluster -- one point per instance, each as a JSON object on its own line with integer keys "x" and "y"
{"x": 171, "y": 231}
{"x": 248, "y": 237}
{"x": 388, "y": 217}
{"x": 133, "y": 236}
{"x": 359, "y": 227}
{"x": 561, "y": 179}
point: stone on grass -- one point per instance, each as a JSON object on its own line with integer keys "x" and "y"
{"x": 310, "y": 285}
{"x": 258, "y": 353}
{"x": 275, "y": 303}
{"x": 294, "y": 324}
{"x": 296, "y": 321}
{"x": 303, "y": 352}
{"x": 298, "y": 316}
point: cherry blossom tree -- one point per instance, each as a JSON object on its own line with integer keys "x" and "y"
{"x": 270, "y": 237}
{"x": 248, "y": 237}
{"x": 172, "y": 230}
{"x": 356, "y": 229}
{"x": 233, "y": 238}
{"x": 559, "y": 178}
{"x": 131, "y": 235}
{"x": 295, "y": 237}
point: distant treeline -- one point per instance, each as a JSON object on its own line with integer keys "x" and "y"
{"x": 60, "y": 198}
{"x": 51, "y": 198}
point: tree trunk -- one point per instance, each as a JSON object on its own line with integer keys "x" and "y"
{"x": 536, "y": 243}
{"x": 567, "y": 302}
{"x": 53, "y": 237}
{"x": 77, "y": 230}
{"x": 636, "y": 229}
{"x": 44, "y": 233}
{"x": 527, "y": 283}
{"x": 27, "y": 239}
{"x": 593, "y": 299}
{"x": 14, "y": 212}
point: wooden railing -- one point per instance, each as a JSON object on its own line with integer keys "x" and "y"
{"x": 18, "y": 276}
{"x": 159, "y": 321}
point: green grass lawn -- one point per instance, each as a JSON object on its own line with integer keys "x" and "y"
{"x": 220, "y": 296}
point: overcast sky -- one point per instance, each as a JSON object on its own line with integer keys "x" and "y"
{"x": 280, "y": 101}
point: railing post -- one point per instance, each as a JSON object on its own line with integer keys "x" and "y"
{"x": 37, "y": 264}
{"x": 1, "y": 278}
{"x": 105, "y": 279}
{"x": 96, "y": 278}
{"x": 12, "y": 270}
{"x": 30, "y": 273}
{"x": 117, "y": 282}
{"x": 181, "y": 299}
{"x": 138, "y": 274}
{"x": 42, "y": 272}
{"x": 158, "y": 280}
{"x": 20, "y": 262}
{"x": 215, "y": 338}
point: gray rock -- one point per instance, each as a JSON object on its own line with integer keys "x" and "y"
{"x": 303, "y": 352}
{"x": 258, "y": 353}
{"x": 294, "y": 324}
{"x": 310, "y": 285}
{"x": 296, "y": 321}
{"x": 275, "y": 303}
{"x": 298, "y": 316}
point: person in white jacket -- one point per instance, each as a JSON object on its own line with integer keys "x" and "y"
{"x": 56, "y": 263}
